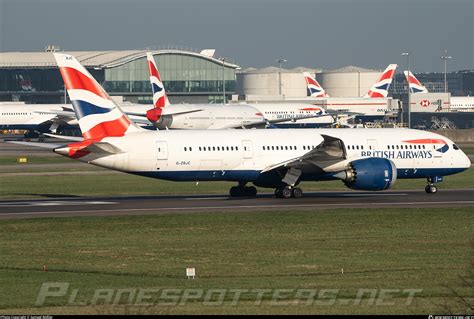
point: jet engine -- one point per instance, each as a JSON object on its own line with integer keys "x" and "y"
{"x": 370, "y": 174}
{"x": 160, "y": 121}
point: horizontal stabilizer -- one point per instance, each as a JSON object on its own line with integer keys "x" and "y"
{"x": 65, "y": 137}
{"x": 103, "y": 148}
{"x": 36, "y": 144}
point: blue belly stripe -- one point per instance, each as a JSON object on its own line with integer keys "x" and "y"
{"x": 253, "y": 175}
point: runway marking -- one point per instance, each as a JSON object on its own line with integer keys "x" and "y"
{"x": 205, "y": 198}
{"x": 361, "y": 195}
{"x": 232, "y": 207}
{"x": 341, "y": 195}
{"x": 55, "y": 203}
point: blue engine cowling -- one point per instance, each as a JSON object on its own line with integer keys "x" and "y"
{"x": 371, "y": 174}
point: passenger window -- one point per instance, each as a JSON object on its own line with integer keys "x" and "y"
{"x": 455, "y": 147}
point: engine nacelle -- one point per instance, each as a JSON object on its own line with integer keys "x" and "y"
{"x": 370, "y": 174}
{"x": 153, "y": 115}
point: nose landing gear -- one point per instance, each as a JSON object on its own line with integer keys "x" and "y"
{"x": 431, "y": 188}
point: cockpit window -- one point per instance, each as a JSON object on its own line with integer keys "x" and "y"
{"x": 455, "y": 147}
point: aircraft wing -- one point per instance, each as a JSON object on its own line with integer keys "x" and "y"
{"x": 266, "y": 123}
{"x": 36, "y": 144}
{"x": 166, "y": 112}
{"x": 329, "y": 155}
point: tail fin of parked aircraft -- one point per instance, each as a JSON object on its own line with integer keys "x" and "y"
{"x": 159, "y": 94}
{"x": 96, "y": 112}
{"x": 414, "y": 84}
{"x": 315, "y": 89}
{"x": 380, "y": 88}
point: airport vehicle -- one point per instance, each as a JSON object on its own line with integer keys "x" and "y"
{"x": 457, "y": 103}
{"x": 363, "y": 159}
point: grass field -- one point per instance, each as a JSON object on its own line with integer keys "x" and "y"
{"x": 429, "y": 250}
{"x": 31, "y": 186}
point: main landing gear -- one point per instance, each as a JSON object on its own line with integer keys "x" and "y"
{"x": 287, "y": 192}
{"x": 243, "y": 191}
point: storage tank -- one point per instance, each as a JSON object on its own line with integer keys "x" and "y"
{"x": 349, "y": 81}
{"x": 265, "y": 82}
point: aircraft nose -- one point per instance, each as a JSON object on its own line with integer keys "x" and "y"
{"x": 467, "y": 161}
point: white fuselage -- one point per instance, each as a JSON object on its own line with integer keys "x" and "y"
{"x": 281, "y": 111}
{"x": 359, "y": 105}
{"x": 175, "y": 116}
{"x": 464, "y": 103}
{"x": 28, "y": 116}
{"x": 242, "y": 155}
{"x": 201, "y": 116}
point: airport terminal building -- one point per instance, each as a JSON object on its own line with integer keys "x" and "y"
{"x": 188, "y": 75}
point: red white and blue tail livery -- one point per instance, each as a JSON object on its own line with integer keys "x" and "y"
{"x": 413, "y": 83}
{"x": 315, "y": 89}
{"x": 159, "y": 94}
{"x": 96, "y": 112}
{"x": 363, "y": 159}
{"x": 380, "y": 88}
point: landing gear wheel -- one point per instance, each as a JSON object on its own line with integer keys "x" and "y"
{"x": 278, "y": 193}
{"x": 239, "y": 191}
{"x": 251, "y": 191}
{"x": 234, "y": 191}
{"x": 431, "y": 189}
{"x": 286, "y": 192}
{"x": 296, "y": 192}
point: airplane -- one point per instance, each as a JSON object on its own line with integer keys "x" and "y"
{"x": 199, "y": 116}
{"x": 163, "y": 115}
{"x": 378, "y": 90}
{"x": 370, "y": 160}
{"x": 35, "y": 118}
{"x": 457, "y": 103}
{"x": 372, "y": 104}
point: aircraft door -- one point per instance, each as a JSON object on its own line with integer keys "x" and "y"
{"x": 162, "y": 150}
{"x": 372, "y": 145}
{"x": 248, "y": 149}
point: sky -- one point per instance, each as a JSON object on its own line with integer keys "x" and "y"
{"x": 324, "y": 34}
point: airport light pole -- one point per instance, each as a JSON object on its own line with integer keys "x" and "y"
{"x": 445, "y": 58}
{"x": 280, "y": 61}
{"x": 223, "y": 80}
{"x": 409, "y": 93}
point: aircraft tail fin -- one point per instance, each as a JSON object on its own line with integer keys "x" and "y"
{"x": 314, "y": 88}
{"x": 159, "y": 94}
{"x": 413, "y": 83}
{"x": 98, "y": 115}
{"x": 380, "y": 88}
